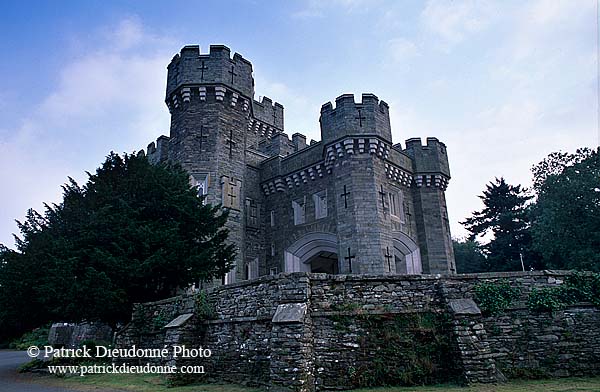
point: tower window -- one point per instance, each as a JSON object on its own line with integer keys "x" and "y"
{"x": 272, "y": 218}
{"x": 396, "y": 203}
{"x": 299, "y": 207}
{"x": 200, "y": 181}
{"x": 320, "y": 200}
{"x": 251, "y": 213}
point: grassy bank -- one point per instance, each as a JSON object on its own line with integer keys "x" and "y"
{"x": 152, "y": 383}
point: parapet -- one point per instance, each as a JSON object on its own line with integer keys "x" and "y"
{"x": 431, "y": 158}
{"x": 191, "y": 67}
{"x": 370, "y": 117}
{"x": 268, "y": 112}
{"x": 159, "y": 152}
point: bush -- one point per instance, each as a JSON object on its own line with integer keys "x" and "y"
{"x": 37, "y": 337}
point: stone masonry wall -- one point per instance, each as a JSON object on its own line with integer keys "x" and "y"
{"x": 308, "y": 332}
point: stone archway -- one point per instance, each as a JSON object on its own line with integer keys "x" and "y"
{"x": 314, "y": 251}
{"x": 407, "y": 255}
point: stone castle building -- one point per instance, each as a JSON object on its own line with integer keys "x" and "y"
{"x": 352, "y": 203}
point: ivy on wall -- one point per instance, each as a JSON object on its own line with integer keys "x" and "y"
{"x": 577, "y": 288}
{"x": 400, "y": 349}
{"x": 495, "y": 297}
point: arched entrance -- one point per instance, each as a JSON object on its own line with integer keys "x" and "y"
{"x": 314, "y": 252}
{"x": 406, "y": 255}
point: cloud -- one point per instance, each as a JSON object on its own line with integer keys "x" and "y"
{"x": 453, "y": 22}
{"x": 105, "y": 99}
{"x": 319, "y": 9}
{"x": 401, "y": 51}
{"x": 296, "y": 106}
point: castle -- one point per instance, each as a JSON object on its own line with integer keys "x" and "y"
{"x": 353, "y": 203}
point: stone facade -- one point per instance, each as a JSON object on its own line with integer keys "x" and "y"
{"x": 351, "y": 203}
{"x": 306, "y": 332}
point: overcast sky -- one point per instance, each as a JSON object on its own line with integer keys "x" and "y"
{"x": 502, "y": 83}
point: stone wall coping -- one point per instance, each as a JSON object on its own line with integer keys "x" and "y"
{"x": 165, "y": 301}
{"x": 511, "y": 274}
{"x": 307, "y": 277}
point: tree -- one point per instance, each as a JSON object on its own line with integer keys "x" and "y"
{"x": 135, "y": 232}
{"x": 566, "y": 216}
{"x": 469, "y": 256}
{"x": 505, "y": 217}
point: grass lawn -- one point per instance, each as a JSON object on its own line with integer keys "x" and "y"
{"x": 136, "y": 383}
{"x": 152, "y": 383}
{"x": 555, "y": 385}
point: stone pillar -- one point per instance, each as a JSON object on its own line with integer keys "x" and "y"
{"x": 474, "y": 351}
{"x": 292, "y": 359}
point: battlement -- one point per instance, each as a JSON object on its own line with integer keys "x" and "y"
{"x": 370, "y": 117}
{"x": 191, "y": 67}
{"x": 280, "y": 144}
{"x": 429, "y": 158}
{"x": 268, "y": 112}
{"x": 159, "y": 152}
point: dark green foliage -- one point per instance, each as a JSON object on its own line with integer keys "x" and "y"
{"x": 566, "y": 216}
{"x": 505, "y": 215}
{"x": 576, "y": 288}
{"x": 469, "y": 256}
{"x": 203, "y": 308}
{"x": 37, "y": 337}
{"x": 547, "y": 299}
{"x": 134, "y": 232}
{"x": 495, "y": 297}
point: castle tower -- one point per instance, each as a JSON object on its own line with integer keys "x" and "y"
{"x": 431, "y": 175}
{"x": 210, "y": 97}
{"x": 357, "y": 138}
{"x": 393, "y": 218}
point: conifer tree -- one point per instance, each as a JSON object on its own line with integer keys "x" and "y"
{"x": 505, "y": 217}
{"x": 135, "y": 232}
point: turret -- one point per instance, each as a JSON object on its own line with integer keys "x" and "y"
{"x": 190, "y": 67}
{"x": 431, "y": 176}
{"x": 429, "y": 159}
{"x": 370, "y": 117}
{"x": 268, "y": 112}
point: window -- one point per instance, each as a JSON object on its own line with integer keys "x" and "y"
{"x": 397, "y": 205}
{"x": 272, "y": 218}
{"x": 273, "y": 271}
{"x": 251, "y": 213}
{"x": 252, "y": 269}
{"x": 200, "y": 181}
{"x": 299, "y": 207}
{"x": 320, "y": 200}
{"x": 272, "y": 249}
{"x": 393, "y": 203}
{"x": 229, "y": 277}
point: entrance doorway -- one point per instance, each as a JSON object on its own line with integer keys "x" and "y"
{"x": 324, "y": 262}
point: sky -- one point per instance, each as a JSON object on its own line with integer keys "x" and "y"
{"x": 501, "y": 83}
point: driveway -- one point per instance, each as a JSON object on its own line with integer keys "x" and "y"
{"x": 11, "y": 381}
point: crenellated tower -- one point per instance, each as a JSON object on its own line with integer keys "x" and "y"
{"x": 216, "y": 128}
{"x": 352, "y": 203}
{"x": 370, "y": 117}
{"x": 431, "y": 176}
